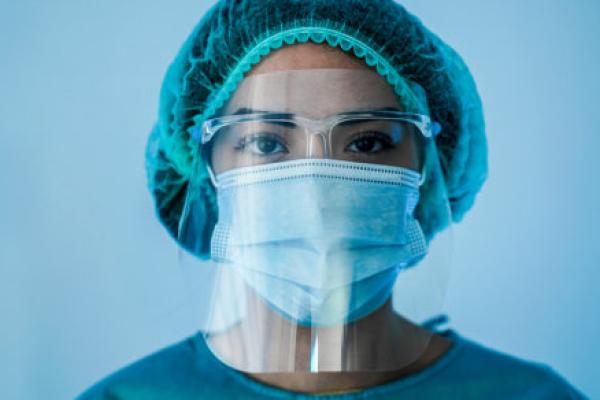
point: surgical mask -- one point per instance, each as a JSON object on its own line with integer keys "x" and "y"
{"x": 320, "y": 240}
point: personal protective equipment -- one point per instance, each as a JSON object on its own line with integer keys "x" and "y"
{"x": 319, "y": 247}
{"x": 277, "y": 136}
{"x": 344, "y": 114}
{"x": 317, "y": 174}
{"x": 234, "y": 36}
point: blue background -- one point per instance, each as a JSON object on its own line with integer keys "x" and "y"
{"x": 89, "y": 279}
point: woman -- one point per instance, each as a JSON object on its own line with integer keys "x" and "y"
{"x": 309, "y": 158}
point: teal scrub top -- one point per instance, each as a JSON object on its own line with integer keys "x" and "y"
{"x": 188, "y": 370}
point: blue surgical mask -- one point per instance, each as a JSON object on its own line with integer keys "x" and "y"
{"x": 321, "y": 241}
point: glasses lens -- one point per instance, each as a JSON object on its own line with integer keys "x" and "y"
{"x": 265, "y": 141}
{"x": 378, "y": 141}
{"x": 257, "y": 142}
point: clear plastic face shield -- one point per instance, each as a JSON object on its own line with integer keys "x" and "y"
{"x": 317, "y": 262}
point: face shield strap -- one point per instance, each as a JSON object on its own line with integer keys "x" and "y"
{"x": 211, "y": 174}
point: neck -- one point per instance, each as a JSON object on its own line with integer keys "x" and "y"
{"x": 341, "y": 382}
{"x": 376, "y": 349}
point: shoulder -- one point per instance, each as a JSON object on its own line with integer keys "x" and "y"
{"x": 494, "y": 370}
{"x": 171, "y": 372}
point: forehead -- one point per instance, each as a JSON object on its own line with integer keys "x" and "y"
{"x": 314, "y": 92}
{"x": 307, "y": 56}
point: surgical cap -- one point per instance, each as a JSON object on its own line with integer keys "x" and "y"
{"x": 234, "y": 35}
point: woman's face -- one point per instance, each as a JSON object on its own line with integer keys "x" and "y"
{"x": 315, "y": 82}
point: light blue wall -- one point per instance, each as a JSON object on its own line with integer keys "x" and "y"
{"x": 89, "y": 279}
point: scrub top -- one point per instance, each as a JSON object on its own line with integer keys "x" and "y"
{"x": 467, "y": 370}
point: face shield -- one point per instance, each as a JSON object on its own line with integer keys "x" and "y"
{"x": 317, "y": 262}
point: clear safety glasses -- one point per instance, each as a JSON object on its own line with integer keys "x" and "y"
{"x": 388, "y": 137}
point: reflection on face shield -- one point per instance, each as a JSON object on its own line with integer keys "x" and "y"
{"x": 317, "y": 176}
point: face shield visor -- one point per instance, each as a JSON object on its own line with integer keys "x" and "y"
{"x": 317, "y": 262}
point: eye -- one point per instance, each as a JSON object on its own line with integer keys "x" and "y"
{"x": 369, "y": 142}
{"x": 263, "y": 144}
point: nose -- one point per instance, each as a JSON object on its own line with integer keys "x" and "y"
{"x": 317, "y": 146}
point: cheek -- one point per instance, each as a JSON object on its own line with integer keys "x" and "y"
{"x": 221, "y": 156}
{"x": 412, "y": 154}
{"x": 417, "y": 150}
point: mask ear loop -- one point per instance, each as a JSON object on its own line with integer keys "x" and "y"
{"x": 423, "y": 176}
{"x": 211, "y": 174}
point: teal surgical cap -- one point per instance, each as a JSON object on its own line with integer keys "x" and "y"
{"x": 234, "y": 35}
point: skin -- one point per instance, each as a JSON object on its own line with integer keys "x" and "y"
{"x": 383, "y": 325}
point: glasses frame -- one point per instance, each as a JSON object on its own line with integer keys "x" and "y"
{"x": 426, "y": 126}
